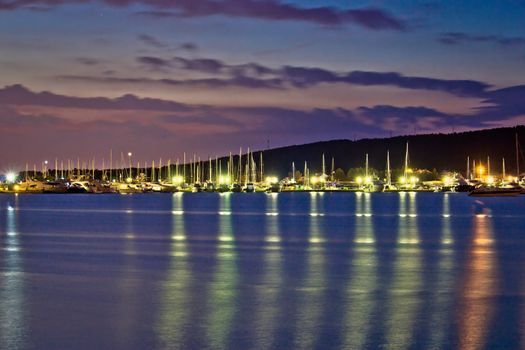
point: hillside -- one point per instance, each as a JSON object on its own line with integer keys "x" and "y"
{"x": 430, "y": 151}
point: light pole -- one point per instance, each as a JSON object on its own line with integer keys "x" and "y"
{"x": 45, "y": 169}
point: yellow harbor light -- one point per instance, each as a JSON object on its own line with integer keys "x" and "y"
{"x": 177, "y": 180}
{"x": 223, "y": 180}
{"x": 272, "y": 179}
{"x": 359, "y": 180}
{"x": 481, "y": 170}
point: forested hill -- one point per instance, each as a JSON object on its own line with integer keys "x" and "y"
{"x": 430, "y": 151}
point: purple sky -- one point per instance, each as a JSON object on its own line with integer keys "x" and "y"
{"x": 158, "y": 78}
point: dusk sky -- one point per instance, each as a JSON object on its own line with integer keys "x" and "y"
{"x": 158, "y": 78}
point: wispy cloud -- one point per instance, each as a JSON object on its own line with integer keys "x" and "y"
{"x": 255, "y": 75}
{"x": 273, "y": 10}
{"x": 456, "y": 38}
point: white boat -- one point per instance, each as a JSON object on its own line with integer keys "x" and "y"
{"x": 495, "y": 192}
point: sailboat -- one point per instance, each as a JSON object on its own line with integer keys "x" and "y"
{"x": 388, "y": 187}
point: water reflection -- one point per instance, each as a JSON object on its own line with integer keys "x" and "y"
{"x": 128, "y": 285}
{"x": 363, "y": 277}
{"x": 476, "y": 307}
{"x": 176, "y": 293}
{"x": 442, "y": 286}
{"x": 12, "y": 293}
{"x": 404, "y": 301}
{"x": 267, "y": 311}
{"x": 223, "y": 288}
{"x": 312, "y": 287}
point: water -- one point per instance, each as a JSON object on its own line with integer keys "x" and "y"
{"x": 262, "y": 271}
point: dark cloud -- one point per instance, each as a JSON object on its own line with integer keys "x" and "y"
{"x": 206, "y": 65}
{"x": 503, "y": 104}
{"x": 151, "y": 41}
{"x": 455, "y": 87}
{"x": 370, "y": 18}
{"x": 19, "y": 95}
{"x": 190, "y": 47}
{"x": 239, "y": 82}
{"x": 87, "y": 61}
{"x": 303, "y": 77}
{"x": 455, "y": 38}
{"x": 154, "y": 63}
{"x": 406, "y": 118}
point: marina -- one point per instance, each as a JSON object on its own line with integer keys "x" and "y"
{"x": 243, "y": 174}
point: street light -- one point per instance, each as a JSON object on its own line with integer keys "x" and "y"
{"x": 10, "y": 178}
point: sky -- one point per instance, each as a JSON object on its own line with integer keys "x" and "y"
{"x": 158, "y": 78}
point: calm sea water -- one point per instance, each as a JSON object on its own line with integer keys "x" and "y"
{"x": 262, "y": 271}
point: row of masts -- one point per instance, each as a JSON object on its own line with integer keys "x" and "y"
{"x": 195, "y": 170}
{"x": 190, "y": 170}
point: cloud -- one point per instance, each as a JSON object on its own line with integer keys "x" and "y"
{"x": 454, "y": 87}
{"x": 503, "y": 104}
{"x": 406, "y": 118}
{"x": 273, "y": 10}
{"x": 88, "y": 61}
{"x": 456, "y": 38}
{"x": 165, "y": 125}
{"x": 151, "y": 41}
{"x": 154, "y": 63}
{"x": 259, "y": 76}
{"x": 190, "y": 47}
{"x": 14, "y": 95}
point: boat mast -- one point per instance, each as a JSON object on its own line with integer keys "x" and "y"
{"x": 405, "y": 173}
{"x": 160, "y": 170}
{"x": 323, "y": 175}
{"x": 261, "y": 166}
{"x": 184, "y": 167}
{"x": 468, "y": 168}
{"x": 110, "y": 163}
{"x": 305, "y": 175}
{"x": 388, "y": 173}
{"x": 366, "y": 166}
{"x": 152, "y": 171}
{"x": 240, "y": 165}
{"x": 333, "y": 170}
{"x": 254, "y": 169}
{"x": 210, "y": 169}
{"x": 517, "y": 156}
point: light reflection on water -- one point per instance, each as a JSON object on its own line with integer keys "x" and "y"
{"x": 12, "y": 288}
{"x": 310, "y": 291}
{"x": 176, "y": 292}
{"x": 476, "y": 308}
{"x": 261, "y": 271}
{"x": 222, "y": 299}
{"x": 267, "y": 307}
{"x": 362, "y": 278}
{"x": 403, "y": 300}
